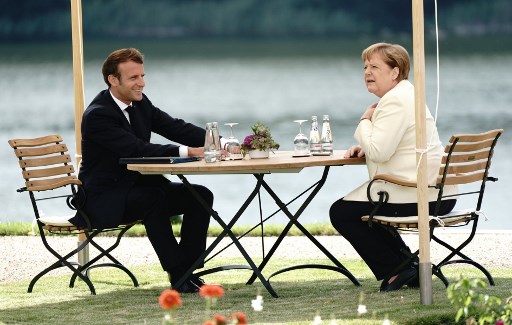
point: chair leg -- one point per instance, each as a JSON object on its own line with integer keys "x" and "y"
{"x": 105, "y": 253}
{"x": 436, "y": 270}
{"x": 464, "y": 258}
{"x": 62, "y": 261}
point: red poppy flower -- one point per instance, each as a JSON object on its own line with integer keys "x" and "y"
{"x": 220, "y": 319}
{"x": 211, "y": 291}
{"x": 240, "y": 318}
{"x": 209, "y": 322}
{"x": 170, "y": 299}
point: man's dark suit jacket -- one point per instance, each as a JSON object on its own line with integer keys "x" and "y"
{"x": 107, "y": 136}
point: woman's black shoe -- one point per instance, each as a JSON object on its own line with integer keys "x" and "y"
{"x": 414, "y": 282}
{"x": 402, "y": 279}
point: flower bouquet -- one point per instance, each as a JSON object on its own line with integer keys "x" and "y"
{"x": 260, "y": 140}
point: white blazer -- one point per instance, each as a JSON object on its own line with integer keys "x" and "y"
{"x": 389, "y": 143}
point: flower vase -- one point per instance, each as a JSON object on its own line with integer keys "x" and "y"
{"x": 258, "y": 154}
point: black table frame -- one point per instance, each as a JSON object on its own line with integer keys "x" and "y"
{"x": 293, "y": 220}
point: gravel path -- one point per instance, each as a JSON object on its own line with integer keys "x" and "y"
{"x": 25, "y": 256}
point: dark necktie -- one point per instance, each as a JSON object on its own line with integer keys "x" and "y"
{"x": 133, "y": 119}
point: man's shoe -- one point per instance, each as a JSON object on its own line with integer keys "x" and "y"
{"x": 196, "y": 280}
{"x": 200, "y": 282}
{"x": 403, "y": 278}
{"x": 187, "y": 287}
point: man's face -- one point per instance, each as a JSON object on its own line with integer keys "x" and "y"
{"x": 130, "y": 83}
{"x": 378, "y": 76}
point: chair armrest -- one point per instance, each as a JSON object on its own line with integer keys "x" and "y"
{"x": 383, "y": 195}
{"x": 394, "y": 180}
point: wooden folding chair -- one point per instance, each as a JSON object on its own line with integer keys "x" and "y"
{"x": 46, "y": 167}
{"x": 466, "y": 163}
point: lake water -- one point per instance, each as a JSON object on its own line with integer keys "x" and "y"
{"x": 475, "y": 96}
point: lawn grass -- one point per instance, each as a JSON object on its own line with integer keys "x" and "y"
{"x": 303, "y": 294}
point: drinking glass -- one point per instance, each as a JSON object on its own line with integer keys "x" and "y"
{"x": 301, "y": 142}
{"x": 233, "y": 149}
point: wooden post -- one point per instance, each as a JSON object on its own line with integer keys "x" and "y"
{"x": 425, "y": 265}
{"x": 78, "y": 82}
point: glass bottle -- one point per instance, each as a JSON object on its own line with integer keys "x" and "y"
{"x": 327, "y": 143}
{"x": 216, "y": 140}
{"x": 315, "y": 146}
{"x": 209, "y": 145}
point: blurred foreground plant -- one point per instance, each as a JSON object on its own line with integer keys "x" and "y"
{"x": 478, "y": 308}
{"x": 171, "y": 299}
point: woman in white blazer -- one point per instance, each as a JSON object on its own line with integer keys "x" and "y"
{"x": 386, "y": 136}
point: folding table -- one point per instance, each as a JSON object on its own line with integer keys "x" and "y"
{"x": 278, "y": 162}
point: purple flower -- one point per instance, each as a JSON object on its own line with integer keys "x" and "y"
{"x": 248, "y": 139}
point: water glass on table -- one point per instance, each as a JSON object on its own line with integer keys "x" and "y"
{"x": 232, "y": 146}
{"x": 300, "y": 142}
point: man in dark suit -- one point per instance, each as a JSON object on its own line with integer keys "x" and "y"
{"x": 118, "y": 123}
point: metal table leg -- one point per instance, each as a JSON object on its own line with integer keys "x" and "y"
{"x": 226, "y": 231}
{"x": 293, "y": 221}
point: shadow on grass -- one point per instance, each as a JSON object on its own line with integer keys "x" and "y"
{"x": 303, "y": 294}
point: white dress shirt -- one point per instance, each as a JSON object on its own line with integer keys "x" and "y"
{"x": 183, "y": 150}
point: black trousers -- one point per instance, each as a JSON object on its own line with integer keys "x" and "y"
{"x": 155, "y": 201}
{"x": 381, "y": 249}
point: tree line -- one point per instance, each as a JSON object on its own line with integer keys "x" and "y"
{"x": 28, "y": 20}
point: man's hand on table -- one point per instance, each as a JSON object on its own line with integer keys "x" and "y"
{"x": 199, "y": 152}
{"x": 195, "y": 152}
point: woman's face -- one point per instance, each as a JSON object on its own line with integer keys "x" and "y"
{"x": 378, "y": 76}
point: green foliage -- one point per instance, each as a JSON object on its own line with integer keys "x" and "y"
{"x": 164, "y": 19}
{"x": 319, "y": 229}
{"x": 15, "y": 229}
{"x": 476, "y": 307}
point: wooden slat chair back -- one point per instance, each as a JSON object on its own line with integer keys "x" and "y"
{"x": 49, "y": 176}
{"x": 466, "y": 163}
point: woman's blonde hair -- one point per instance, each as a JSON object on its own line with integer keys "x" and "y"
{"x": 394, "y": 55}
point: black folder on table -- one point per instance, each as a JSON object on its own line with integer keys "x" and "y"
{"x": 157, "y": 160}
